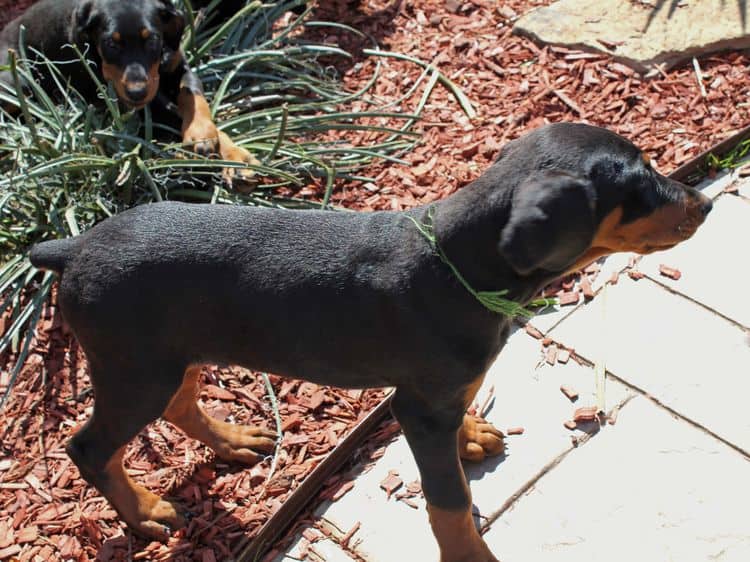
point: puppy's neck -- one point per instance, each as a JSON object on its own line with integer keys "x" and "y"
{"x": 467, "y": 226}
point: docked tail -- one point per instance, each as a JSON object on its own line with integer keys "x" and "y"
{"x": 53, "y": 254}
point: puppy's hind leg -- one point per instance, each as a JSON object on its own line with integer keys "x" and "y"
{"x": 432, "y": 434}
{"x": 126, "y": 400}
{"x": 245, "y": 444}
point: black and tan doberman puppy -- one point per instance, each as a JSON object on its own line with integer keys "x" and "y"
{"x": 134, "y": 45}
{"x": 346, "y": 299}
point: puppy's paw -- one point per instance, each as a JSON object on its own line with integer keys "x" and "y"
{"x": 245, "y": 444}
{"x": 242, "y": 179}
{"x": 202, "y": 137}
{"x": 157, "y": 520}
{"x": 478, "y": 439}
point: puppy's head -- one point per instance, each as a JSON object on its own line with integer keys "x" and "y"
{"x": 584, "y": 192}
{"x": 132, "y": 37}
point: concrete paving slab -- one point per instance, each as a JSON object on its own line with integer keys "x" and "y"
{"x": 712, "y": 272}
{"x": 652, "y": 488}
{"x": 551, "y": 316}
{"x": 689, "y": 358}
{"x": 525, "y": 394}
{"x": 324, "y": 550}
{"x": 390, "y": 529}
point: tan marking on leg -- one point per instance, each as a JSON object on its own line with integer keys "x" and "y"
{"x": 146, "y": 513}
{"x": 198, "y": 129}
{"x": 477, "y": 438}
{"x": 230, "y": 151}
{"x": 457, "y": 536}
{"x": 471, "y": 390}
{"x": 231, "y": 442}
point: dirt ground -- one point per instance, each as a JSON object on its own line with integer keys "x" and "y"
{"x": 46, "y": 510}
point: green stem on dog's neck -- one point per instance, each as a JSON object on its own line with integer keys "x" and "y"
{"x": 491, "y": 300}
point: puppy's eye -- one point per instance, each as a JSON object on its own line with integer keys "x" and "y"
{"x": 112, "y": 42}
{"x": 646, "y": 159}
{"x": 153, "y": 43}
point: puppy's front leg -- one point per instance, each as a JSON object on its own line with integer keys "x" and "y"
{"x": 479, "y": 439}
{"x": 432, "y": 433}
{"x": 198, "y": 129}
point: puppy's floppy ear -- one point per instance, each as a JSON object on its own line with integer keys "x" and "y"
{"x": 552, "y": 222}
{"x": 86, "y": 19}
{"x": 172, "y": 24}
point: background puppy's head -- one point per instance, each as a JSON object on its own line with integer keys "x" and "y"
{"x": 582, "y": 192}
{"x": 132, "y": 38}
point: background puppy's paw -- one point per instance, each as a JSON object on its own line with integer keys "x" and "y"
{"x": 242, "y": 179}
{"x": 202, "y": 137}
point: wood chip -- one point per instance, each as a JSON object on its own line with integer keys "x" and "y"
{"x": 391, "y": 483}
{"x": 551, "y": 355}
{"x": 350, "y": 533}
{"x": 515, "y": 431}
{"x": 587, "y": 413}
{"x": 409, "y": 502}
{"x": 27, "y": 534}
{"x": 218, "y": 393}
{"x": 569, "y": 392}
{"x": 533, "y": 332}
{"x": 343, "y": 489}
{"x": 568, "y": 298}
{"x": 570, "y": 424}
{"x": 670, "y": 272}
{"x": 586, "y": 288}
{"x": 6, "y": 553}
{"x": 563, "y": 356}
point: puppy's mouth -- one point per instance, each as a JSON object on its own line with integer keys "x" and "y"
{"x": 651, "y": 248}
{"x": 134, "y": 104}
{"x": 682, "y": 232}
{"x": 688, "y": 228}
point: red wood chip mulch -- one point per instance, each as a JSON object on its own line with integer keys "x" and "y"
{"x": 47, "y": 512}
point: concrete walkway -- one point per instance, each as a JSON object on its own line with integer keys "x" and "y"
{"x": 669, "y": 481}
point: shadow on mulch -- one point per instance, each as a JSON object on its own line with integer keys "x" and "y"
{"x": 377, "y": 23}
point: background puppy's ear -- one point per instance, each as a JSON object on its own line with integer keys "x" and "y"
{"x": 86, "y": 20}
{"x": 551, "y": 224}
{"x": 172, "y": 24}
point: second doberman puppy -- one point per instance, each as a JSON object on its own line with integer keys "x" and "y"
{"x": 134, "y": 45}
{"x": 346, "y": 299}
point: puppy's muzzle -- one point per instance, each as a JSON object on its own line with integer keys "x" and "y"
{"x": 136, "y": 86}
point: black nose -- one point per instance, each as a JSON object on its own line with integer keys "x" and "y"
{"x": 136, "y": 93}
{"x": 706, "y": 208}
